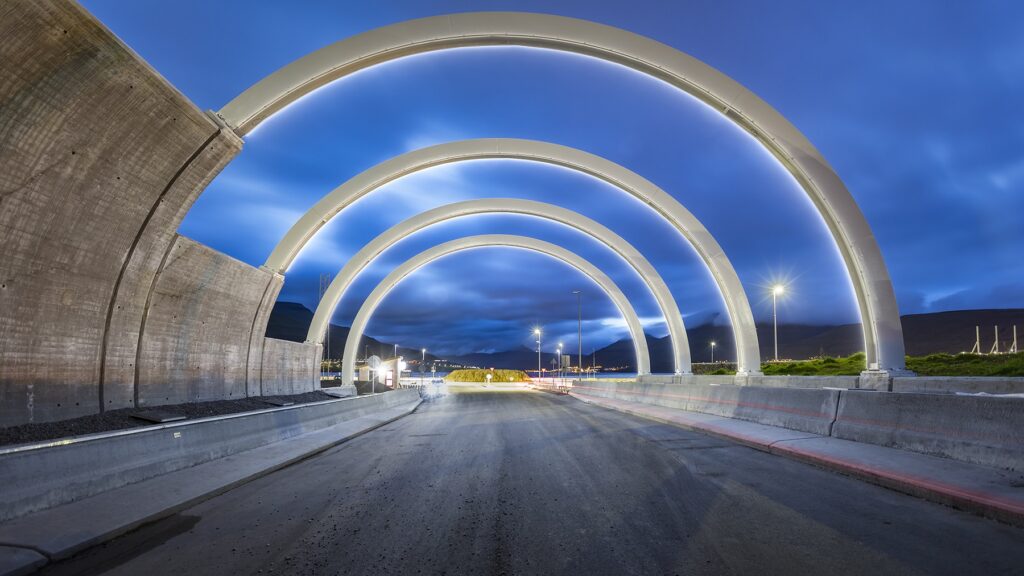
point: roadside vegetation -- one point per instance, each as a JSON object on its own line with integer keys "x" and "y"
{"x": 481, "y": 376}
{"x": 931, "y": 365}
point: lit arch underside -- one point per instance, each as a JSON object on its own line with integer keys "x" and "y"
{"x": 357, "y": 263}
{"x": 470, "y": 242}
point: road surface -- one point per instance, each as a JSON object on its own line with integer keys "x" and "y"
{"x": 499, "y": 482}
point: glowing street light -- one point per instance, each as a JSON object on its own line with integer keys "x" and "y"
{"x": 536, "y": 332}
{"x": 559, "y": 360}
{"x": 713, "y": 351}
{"x": 423, "y": 356}
{"x": 777, "y": 290}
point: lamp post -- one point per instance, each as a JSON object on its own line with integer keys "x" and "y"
{"x": 777, "y": 290}
{"x": 712, "y": 351}
{"x": 536, "y": 332}
{"x": 579, "y": 331}
{"x": 423, "y": 361}
{"x": 559, "y": 362}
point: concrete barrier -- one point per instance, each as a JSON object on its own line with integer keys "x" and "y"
{"x": 807, "y": 410}
{"x": 341, "y": 391}
{"x": 755, "y": 380}
{"x": 800, "y": 381}
{"x": 980, "y": 429}
{"x": 966, "y": 384}
{"x": 39, "y": 476}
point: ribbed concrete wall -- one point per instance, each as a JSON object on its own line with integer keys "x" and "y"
{"x": 100, "y": 159}
{"x": 289, "y": 367}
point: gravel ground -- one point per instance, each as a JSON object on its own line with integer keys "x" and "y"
{"x": 122, "y": 419}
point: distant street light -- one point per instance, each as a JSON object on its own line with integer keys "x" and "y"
{"x": 777, "y": 290}
{"x": 712, "y": 351}
{"x": 396, "y": 350}
{"x": 579, "y": 331}
{"x": 423, "y": 355}
{"x": 536, "y": 332}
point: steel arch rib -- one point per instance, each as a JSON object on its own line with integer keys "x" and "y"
{"x": 470, "y": 242}
{"x": 725, "y": 277}
{"x": 358, "y": 262}
{"x": 883, "y": 334}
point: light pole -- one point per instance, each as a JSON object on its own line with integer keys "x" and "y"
{"x": 777, "y": 290}
{"x": 559, "y": 362}
{"x": 536, "y": 332}
{"x": 423, "y": 361}
{"x": 712, "y": 351}
{"x": 579, "y": 331}
{"x": 396, "y": 350}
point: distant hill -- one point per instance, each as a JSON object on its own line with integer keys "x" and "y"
{"x": 291, "y": 320}
{"x": 949, "y": 332}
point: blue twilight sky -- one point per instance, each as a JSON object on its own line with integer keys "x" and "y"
{"x": 915, "y": 104}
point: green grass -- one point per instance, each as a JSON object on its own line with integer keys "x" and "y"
{"x": 932, "y": 365}
{"x": 481, "y": 376}
{"x": 967, "y": 365}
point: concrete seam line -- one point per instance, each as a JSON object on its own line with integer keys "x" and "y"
{"x": 835, "y": 413}
{"x": 128, "y": 258}
{"x": 252, "y": 328}
{"x": 145, "y": 315}
{"x": 28, "y": 547}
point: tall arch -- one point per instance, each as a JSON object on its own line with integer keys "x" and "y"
{"x": 883, "y": 334}
{"x": 423, "y": 258}
{"x": 725, "y": 277}
{"x": 358, "y": 262}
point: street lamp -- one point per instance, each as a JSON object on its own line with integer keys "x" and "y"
{"x": 712, "y": 351}
{"x": 579, "y": 331}
{"x": 777, "y": 290}
{"x": 536, "y": 332}
{"x": 559, "y": 361}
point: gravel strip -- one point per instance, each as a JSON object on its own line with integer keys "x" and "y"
{"x": 122, "y": 419}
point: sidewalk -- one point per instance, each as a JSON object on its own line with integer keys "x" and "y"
{"x": 29, "y": 542}
{"x": 981, "y": 490}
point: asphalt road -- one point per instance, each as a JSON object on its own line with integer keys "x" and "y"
{"x": 487, "y": 482}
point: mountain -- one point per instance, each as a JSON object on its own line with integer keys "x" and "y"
{"x": 949, "y": 332}
{"x": 291, "y": 320}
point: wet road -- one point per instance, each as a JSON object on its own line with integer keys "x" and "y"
{"x": 492, "y": 482}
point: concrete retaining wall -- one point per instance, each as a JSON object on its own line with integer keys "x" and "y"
{"x": 195, "y": 336}
{"x": 807, "y": 410}
{"x": 95, "y": 151}
{"x": 289, "y": 367}
{"x": 981, "y": 429}
{"x": 45, "y": 475}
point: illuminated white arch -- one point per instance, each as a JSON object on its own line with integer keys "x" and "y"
{"x": 604, "y": 282}
{"x": 725, "y": 277}
{"x": 883, "y": 334}
{"x": 357, "y": 263}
